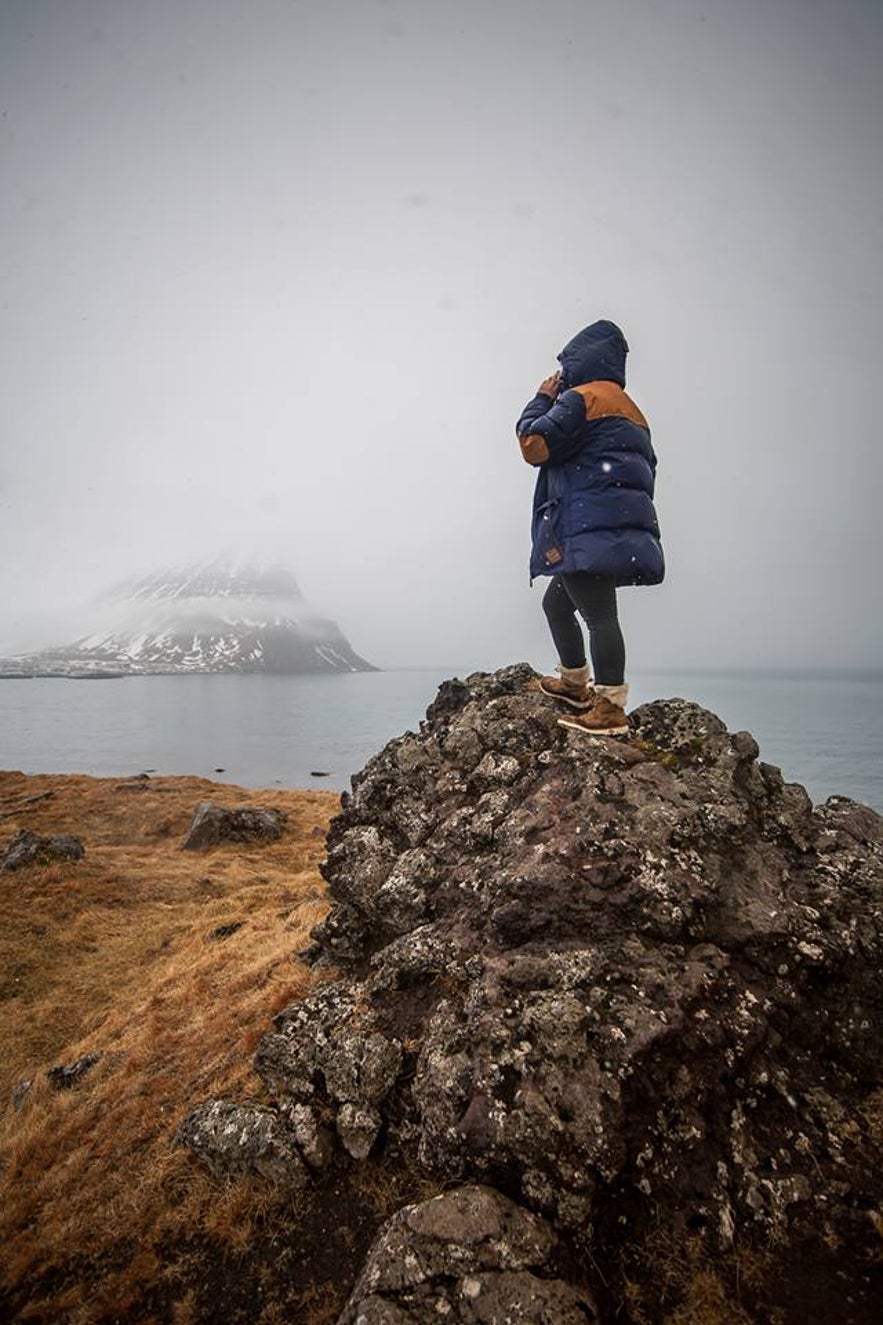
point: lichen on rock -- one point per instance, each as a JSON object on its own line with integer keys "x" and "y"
{"x": 623, "y": 981}
{"x": 236, "y": 1140}
{"x": 467, "y": 1255}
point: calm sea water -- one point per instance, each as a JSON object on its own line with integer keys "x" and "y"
{"x": 825, "y": 731}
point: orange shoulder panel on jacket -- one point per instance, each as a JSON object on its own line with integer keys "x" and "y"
{"x": 534, "y": 449}
{"x": 603, "y": 399}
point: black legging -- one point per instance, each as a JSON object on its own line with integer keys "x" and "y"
{"x": 594, "y": 597}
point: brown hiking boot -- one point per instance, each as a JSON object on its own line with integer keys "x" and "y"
{"x": 572, "y": 685}
{"x": 607, "y": 716}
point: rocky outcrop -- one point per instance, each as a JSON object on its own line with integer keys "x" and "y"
{"x": 629, "y": 983}
{"x": 215, "y": 824}
{"x": 28, "y": 848}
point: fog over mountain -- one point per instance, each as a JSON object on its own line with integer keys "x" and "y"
{"x": 280, "y": 277}
{"x": 199, "y": 619}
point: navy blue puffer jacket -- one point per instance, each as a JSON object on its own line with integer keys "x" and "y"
{"x": 593, "y": 503}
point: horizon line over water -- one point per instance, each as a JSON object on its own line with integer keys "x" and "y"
{"x": 777, "y": 672}
{"x": 783, "y": 673}
{"x": 825, "y": 731}
{"x": 795, "y": 671}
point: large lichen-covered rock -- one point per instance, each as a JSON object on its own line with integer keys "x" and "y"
{"x": 467, "y": 1255}
{"x": 629, "y": 982}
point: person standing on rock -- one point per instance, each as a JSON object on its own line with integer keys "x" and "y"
{"x": 594, "y": 525}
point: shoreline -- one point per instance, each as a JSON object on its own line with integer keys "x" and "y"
{"x": 153, "y": 780}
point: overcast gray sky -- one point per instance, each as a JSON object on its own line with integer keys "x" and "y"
{"x": 278, "y": 277}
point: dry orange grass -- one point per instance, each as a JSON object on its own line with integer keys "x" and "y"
{"x": 113, "y": 955}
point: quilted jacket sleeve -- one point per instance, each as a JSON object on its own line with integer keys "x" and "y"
{"x": 550, "y": 432}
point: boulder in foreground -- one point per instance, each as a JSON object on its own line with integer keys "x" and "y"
{"x": 469, "y": 1255}
{"x": 630, "y": 984}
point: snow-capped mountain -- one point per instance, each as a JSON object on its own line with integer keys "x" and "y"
{"x": 212, "y": 618}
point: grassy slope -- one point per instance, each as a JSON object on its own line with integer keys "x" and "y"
{"x": 100, "y": 1215}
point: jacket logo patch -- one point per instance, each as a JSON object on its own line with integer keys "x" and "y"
{"x": 553, "y": 556}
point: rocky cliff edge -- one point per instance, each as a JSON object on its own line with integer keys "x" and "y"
{"x": 618, "y": 997}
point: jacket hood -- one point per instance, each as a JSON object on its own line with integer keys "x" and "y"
{"x": 597, "y": 353}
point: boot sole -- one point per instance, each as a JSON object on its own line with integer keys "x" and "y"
{"x": 574, "y": 703}
{"x": 593, "y": 731}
